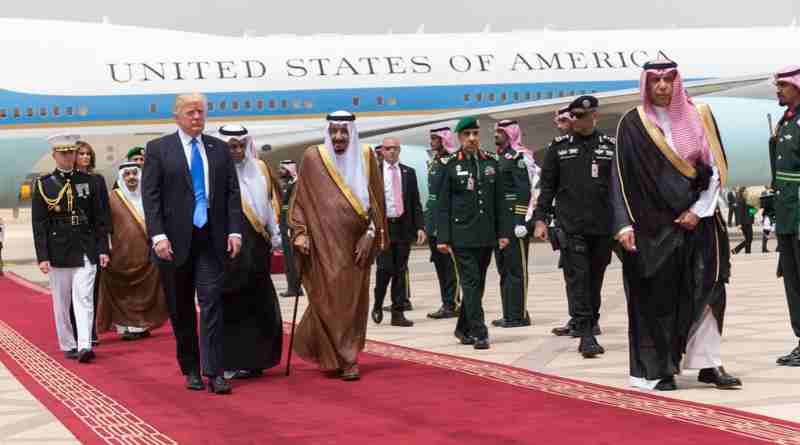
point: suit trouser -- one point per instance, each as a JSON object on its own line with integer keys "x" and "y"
{"x": 764, "y": 240}
{"x": 471, "y": 266}
{"x": 392, "y": 267}
{"x": 292, "y": 280}
{"x": 585, "y": 259}
{"x": 790, "y": 265}
{"x": 73, "y": 287}
{"x": 202, "y": 272}
{"x": 512, "y": 266}
{"x": 747, "y": 231}
{"x": 446, "y": 275}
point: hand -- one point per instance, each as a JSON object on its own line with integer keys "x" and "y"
{"x": 44, "y": 266}
{"x": 302, "y": 245}
{"x": 520, "y": 231}
{"x": 628, "y": 241}
{"x": 421, "y": 237}
{"x": 503, "y": 243}
{"x": 163, "y": 250}
{"x": 444, "y": 248}
{"x": 364, "y": 249}
{"x": 234, "y": 246}
{"x": 540, "y": 232}
{"x": 104, "y": 260}
{"x": 688, "y": 220}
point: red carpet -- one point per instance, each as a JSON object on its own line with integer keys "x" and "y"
{"x": 132, "y": 394}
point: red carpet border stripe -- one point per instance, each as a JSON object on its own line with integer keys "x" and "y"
{"x": 112, "y": 422}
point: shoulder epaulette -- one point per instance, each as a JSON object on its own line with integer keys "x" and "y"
{"x": 559, "y": 139}
{"x": 490, "y": 154}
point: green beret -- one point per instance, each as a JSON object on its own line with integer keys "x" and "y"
{"x": 135, "y": 151}
{"x": 467, "y": 123}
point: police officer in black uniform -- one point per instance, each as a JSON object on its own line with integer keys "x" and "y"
{"x": 518, "y": 173}
{"x": 71, "y": 238}
{"x": 576, "y": 174}
{"x": 441, "y": 138}
{"x": 469, "y": 226}
{"x": 288, "y": 173}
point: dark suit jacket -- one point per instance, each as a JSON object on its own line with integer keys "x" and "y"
{"x": 412, "y": 219}
{"x": 168, "y": 197}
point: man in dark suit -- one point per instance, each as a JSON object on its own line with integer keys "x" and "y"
{"x": 193, "y": 212}
{"x": 404, "y": 215}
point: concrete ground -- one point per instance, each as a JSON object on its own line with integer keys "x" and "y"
{"x": 756, "y": 332}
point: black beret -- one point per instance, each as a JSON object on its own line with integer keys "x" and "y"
{"x": 583, "y": 103}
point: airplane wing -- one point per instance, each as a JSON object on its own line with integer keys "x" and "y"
{"x": 534, "y": 117}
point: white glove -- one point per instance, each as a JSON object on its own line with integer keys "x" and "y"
{"x": 520, "y": 231}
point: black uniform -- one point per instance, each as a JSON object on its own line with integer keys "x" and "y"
{"x": 292, "y": 280}
{"x": 576, "y": 174}
{"x": 444, "y": 263}
{"x": 468, "y": 220}
{"x": 512, "y": 262}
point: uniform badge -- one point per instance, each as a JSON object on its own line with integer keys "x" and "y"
{"x": 458, "y": 169}
{"x": 489, "y": 171}
{"x": 521, "y": 164}
{"x": 82, "y": 190}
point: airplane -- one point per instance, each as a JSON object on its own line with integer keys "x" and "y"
{"x": 115, "y": 85}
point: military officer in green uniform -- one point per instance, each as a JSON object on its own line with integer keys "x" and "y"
{"x": 441, "y": 148}
{"x": 470, "y": 201}
{"x": 576, "y": 175}
{"x": 518, "y": 174}
{"x": 785, "y": 154}
{"x": 70, "y": 237}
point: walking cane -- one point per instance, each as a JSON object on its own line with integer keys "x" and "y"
{"x": 291, "y": 336}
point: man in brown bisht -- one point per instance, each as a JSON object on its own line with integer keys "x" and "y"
{"x": 338, "y": 225}
{"x": 130, "y": 296}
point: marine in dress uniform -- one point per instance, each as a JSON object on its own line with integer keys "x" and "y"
{"x": 70, "y": 241}
{"x": 441, "y": 147}
{"x": 518, "y": 174}
{"x": 785, "y": 150}
{"x": 470, "y": 202}
{"x": 576, "y": 175}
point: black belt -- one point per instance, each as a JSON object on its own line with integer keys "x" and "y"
{"x": 74, "y": 221}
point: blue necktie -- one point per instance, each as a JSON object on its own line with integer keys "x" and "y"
{"x": 199, "y": 186}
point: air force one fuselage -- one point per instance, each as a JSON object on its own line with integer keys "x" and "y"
{"x": 116, "y": 85}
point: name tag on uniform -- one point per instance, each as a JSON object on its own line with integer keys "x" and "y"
{"x": 471, "y": 183}
{"x": 595, "y": 170}
{"x": 462, "y": 173}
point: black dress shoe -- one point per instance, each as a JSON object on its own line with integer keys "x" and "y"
{"x": 399, "y": 319}
{"x": 85, "y": 355}
{"x": 465, "y": 339}
{"x": 218, "y": 385}
{"x": 790, "y": 357}
{"x": 589, "y": 348}
{"x": 562, "y": 331}
{"x": 406, "y": 307}
{"x": 481, "y": 343}
{"x": 719, "y": 378}
{"x": 502, "y": 323}
{"x": 72, "y": 354}
{"x": 194, "y": 382}
{"x": 243, "y": 374}
{"x": 377, "y": 315}
{"x": 667, "y": 384}
{"x": 443, "y": 312}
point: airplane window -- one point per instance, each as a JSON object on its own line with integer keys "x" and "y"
{"x": 296, "y": 103}
{"x": 356, "y": 101}
{"x": 272, "y": 104}
{"x": 153, "y": 108}
{"x": 503, "y": 97}
{"x": 2, "y": 113}
{"x": 17, "y": 113}
{"x": 83, "y": 110}
{"x": 260, "y": 104}
{"x": 548, "y": 95}
{"x": 307, "y": 104}
{"x": 210, "y": 107}
{"x": 379, "y": 100}
{"x": 68, "y": 111}
{"x": 516, "y": 96}
{"x": 478, "y": 97}
{"x": 235, "y": 105}
{"x": 538, "y": 95}
{"x": 42, "y": 111}
{"x": 392, "y": 101}
{"x": 223, "y": 106}
{"x": 491, "y": 97}
{"x": 29, "y": 112}
{"x": 466, "y": 97}
{"x": 248, "y": 105}
{"x": 284, "y": 103}
{"x": 56, "y": 111}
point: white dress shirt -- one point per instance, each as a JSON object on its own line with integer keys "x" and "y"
{"x": 388, "y": 190}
